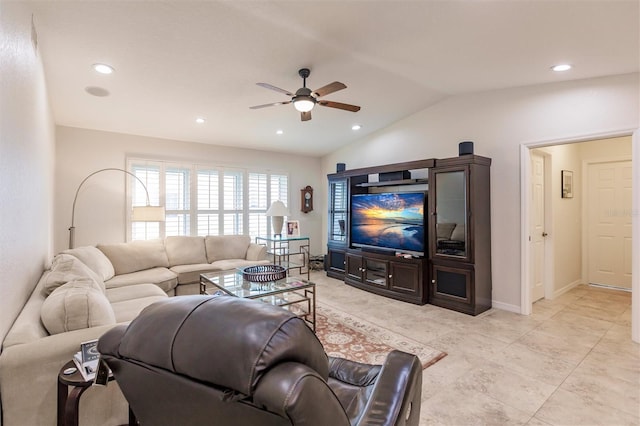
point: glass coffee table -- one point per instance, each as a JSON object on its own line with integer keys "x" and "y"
{"x": 294, "y": 294}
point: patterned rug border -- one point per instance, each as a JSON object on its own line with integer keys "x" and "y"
{"x": 427, "y": 355}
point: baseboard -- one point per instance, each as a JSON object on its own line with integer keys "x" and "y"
{"x": 566, "y": 288}
{"x": 505, "y": 306}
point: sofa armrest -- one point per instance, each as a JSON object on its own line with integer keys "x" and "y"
{"x": 256, "y": 252}
{"x": 396, "y": 395}
{"x": 29, "y": 377}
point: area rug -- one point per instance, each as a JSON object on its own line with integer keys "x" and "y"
{"x": 348, "y": 336}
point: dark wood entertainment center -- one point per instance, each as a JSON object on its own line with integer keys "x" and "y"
{"x": 455, "y": 271}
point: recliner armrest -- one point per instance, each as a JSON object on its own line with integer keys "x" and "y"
{"x": 295, "y": 391}
{"x": 352, "y": 372}
{"x": 395, "y": 399}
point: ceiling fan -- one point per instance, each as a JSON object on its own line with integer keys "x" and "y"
{"x": 305, "y": 99}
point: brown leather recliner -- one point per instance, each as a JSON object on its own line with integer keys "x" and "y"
{"x": 221, "y": 360}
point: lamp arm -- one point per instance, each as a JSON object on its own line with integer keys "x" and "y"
{"x": 73, "y": 209}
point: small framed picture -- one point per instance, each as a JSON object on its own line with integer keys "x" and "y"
{"x": 567, "y": 184}
{"x": 293, "y": 228}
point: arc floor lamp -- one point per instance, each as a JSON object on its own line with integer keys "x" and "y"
{"x": 146, "y": 213}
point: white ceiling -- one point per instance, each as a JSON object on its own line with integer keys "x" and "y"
{"x": 177, "y": 60}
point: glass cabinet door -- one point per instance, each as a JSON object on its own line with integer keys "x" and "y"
{"x": 375, "y": 272}
{"x": 338, "y": 202}
{"x": 451, "y": 208}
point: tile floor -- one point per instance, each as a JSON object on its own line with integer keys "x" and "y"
{"x": 572, "y": 362}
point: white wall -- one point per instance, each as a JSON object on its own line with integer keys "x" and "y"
{"x": 100, "y": 209}
{"x": 26, "y": 164}
{"x": 499, "y": 122}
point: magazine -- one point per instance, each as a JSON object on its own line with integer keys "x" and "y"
{"x": 87, "y": 358}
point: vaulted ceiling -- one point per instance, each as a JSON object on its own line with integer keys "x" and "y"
{"x": 177, "y": 60}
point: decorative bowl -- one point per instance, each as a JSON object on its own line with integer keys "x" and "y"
{"x": 263, "y": 273}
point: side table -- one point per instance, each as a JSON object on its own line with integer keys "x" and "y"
{"x": 69, "y": 401}
{"x": 284, "y": 249}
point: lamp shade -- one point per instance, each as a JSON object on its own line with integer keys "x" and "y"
{"x": 278, "y": 209}
{"x": 148, "y": 214}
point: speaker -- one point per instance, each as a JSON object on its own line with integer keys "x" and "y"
{"x": 465, "y": 148}
{"x": 389, "y": 176}
{"x": 340, "y": 167}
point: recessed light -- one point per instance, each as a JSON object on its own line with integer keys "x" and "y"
{"x": 200, "y": 120}
{"x": 279, "y": 132}
{"x": 356, "y": 127}
{"x": 561, "y": 67}
{"x": 103, "y": 68}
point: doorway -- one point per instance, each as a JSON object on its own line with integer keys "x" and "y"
{"x": 580, "y": 172}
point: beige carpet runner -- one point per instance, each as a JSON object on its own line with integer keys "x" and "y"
{"x": 347, "y": 336}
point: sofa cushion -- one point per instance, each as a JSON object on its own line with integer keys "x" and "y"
{"x": 458, "y": 233}
{"x": 221, "y": 247}
{"x": 94, "y": 259}
{"x": 444, "y": 230}
{"x": 135, "y": 291}
{"x": 162, "y": 277}
{"x": 256, "y": 252}
{"x": 76, "y": 305}
{"x": 127, "y": 302}
{"x": 225, "y": 265}
{"x": 66, "y": 268}
{"x": 188, "y": 274}
{"x": 182, "y": 250}
{"x": 135, "y": 256}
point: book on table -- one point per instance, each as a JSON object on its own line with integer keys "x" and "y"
{"x": 87, "y": 359}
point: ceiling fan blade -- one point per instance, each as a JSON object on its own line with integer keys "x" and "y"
{"x": 305, "y": 116}
{"x": 277, "y": 89}
{"x": 268, "y": 105}
{"x": 346, "y": 107}
{"x": 329, "y": 88}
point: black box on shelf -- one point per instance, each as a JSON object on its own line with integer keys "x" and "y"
{"x": 388, "y": 176}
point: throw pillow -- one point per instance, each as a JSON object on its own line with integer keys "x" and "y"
{"x": 66, "y": 268}
{"x": 76, "y": 305}
{"x": 94, "y": 259}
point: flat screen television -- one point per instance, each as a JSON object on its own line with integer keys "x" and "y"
{"x": 391, "y": 221}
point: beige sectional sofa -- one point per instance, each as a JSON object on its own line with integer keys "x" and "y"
{"x": 84, "y": 293}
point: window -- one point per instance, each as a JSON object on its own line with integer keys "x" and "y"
{"x": 205, "y": 200}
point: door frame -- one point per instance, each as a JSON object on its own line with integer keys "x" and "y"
{"x": 525, "y": 182}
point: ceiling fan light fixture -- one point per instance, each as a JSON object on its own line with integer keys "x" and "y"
{"x": 304, "y": 103}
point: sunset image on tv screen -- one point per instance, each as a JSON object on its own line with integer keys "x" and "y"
{"x": 393, "y": 220}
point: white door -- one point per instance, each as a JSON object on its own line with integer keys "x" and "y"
{"x": 537, "y": 233}
{"x": 609, "y": 223}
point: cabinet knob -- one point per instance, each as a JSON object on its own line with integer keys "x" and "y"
{"x": 433, "y": 281}
{"x": 390, "y": 276}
